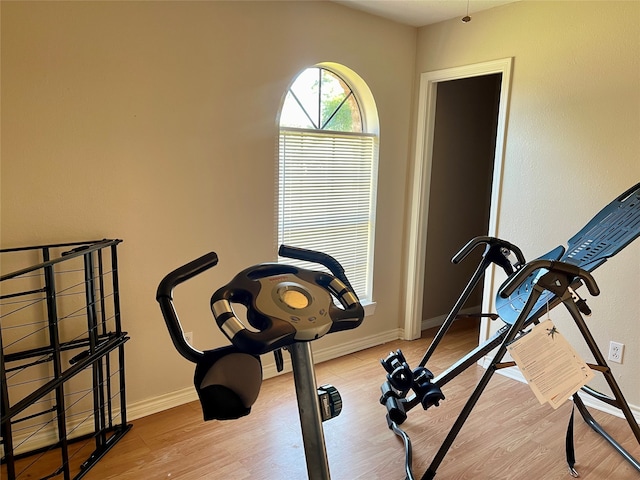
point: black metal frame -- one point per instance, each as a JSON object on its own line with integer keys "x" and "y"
{"x": 531, "y": 289}
{"x": 560, "y": 279}
{"x": 93, "y": 332}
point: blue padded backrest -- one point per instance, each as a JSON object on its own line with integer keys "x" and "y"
{"x": 615, "y": 227}
{"x": 612, "y": 229}
{"x": 509, "y": 308}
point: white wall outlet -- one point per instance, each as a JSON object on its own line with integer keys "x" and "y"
{"x": 615, "y": 351}
{"x": 189, "y": 337}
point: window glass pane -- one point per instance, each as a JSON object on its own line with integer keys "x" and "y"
{"x": 347, "y": 118}
{"x": 306, "y": 91}
{"x": 334, "y": 93}
{"x": 320, "y": 99}
{"x": 293, "y": 115}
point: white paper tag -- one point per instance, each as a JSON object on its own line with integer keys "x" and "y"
{"x": 552, "y": 368}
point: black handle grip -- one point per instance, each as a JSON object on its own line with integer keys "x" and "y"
{"x": 464, "y": 251}
{"x": 496, "y": 251}
{"x": 490, "y": 242}
{"x": 186, "y": 272}
{"x": 164, "y": 296}
{"x": 515, "y": 281}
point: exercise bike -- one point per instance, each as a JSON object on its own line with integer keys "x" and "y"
{"x": 287, "y": 307}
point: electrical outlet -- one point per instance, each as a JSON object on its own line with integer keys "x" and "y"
{"x": 188, "y": 336}
{"x": 615, "y": 351}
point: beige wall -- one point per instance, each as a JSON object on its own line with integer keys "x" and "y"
{"x": 155, "y": 122}
{"x": 572, "y": 140}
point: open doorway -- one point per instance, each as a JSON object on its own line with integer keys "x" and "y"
{"x": 478, "y": 197}
{"x": 464, "y": 141}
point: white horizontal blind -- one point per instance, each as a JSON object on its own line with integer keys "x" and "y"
{"x": 327, "y": 198}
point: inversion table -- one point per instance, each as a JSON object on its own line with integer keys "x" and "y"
{"x": 530, "y": 290}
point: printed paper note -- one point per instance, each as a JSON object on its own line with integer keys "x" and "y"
{"x": 551, "y": 366}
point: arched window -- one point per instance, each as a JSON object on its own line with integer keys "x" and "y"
{"x": 327, "y": 173}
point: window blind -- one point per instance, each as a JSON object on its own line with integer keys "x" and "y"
{"x": 326, "y": 198}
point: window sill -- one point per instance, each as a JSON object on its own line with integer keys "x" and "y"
{"x": 369, "y": 308}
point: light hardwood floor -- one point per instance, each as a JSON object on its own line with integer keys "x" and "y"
{"x": 509, "y": 435}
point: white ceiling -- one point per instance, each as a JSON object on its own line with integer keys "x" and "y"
{"x": 418, "y": 13}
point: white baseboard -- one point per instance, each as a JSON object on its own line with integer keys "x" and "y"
{"x": 186, "y": 395}
{"x": 160, "y": 404}
{"x": 591, "y": 402}
{"x": 48, "y": 436}
{"x": 174, "y": 399}
{"x": 329, "y": 353}
{"x": 439, "y": 320}
{"x": 45, "y": 437}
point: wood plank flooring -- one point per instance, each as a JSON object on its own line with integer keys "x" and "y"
{"x": 509, "y": 435}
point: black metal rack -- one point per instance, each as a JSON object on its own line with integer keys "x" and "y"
{"x": 62, "y": 378}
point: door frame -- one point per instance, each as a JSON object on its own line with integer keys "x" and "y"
{"x": 420, "y": 187}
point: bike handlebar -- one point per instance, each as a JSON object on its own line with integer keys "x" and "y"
{"x": 164, "y": 296}
{"x": 316, "y": 257}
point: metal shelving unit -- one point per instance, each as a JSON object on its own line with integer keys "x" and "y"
{"x": 62, "y": 378}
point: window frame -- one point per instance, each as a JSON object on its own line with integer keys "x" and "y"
{"x": 369, "y": 123}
